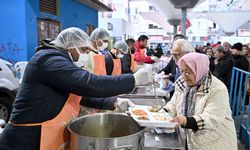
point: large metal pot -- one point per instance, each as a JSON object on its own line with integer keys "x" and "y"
{"x": 105, "y": 131}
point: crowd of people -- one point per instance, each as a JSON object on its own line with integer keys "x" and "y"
{"x": 75, "y": 69}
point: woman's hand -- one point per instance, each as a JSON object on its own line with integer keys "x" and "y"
{"x": 181, "y": 120}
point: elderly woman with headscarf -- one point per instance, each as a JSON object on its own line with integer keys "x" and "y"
{"x": 200, "y": 104}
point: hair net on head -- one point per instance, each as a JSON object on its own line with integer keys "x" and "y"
{"x": 72, "y": 38}
{"x": 99, "y": 34}
{"x": 122, "y": 46}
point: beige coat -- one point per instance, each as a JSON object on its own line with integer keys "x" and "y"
{"x": 213, "y": 107}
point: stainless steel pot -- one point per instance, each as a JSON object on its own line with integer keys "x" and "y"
{"x": 105, "y": 131}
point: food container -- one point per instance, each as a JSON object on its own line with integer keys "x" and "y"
{"x": 142, "y": 115}
{"x": 105, "y": 131}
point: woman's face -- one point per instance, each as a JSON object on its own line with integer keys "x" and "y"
{"x": 187, "y": 74}
{"x": 244, "y": 51}
{"x": 209, "y": 52}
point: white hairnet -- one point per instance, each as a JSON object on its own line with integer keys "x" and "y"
{"x": 72, "y": 37}
{"x": 122, "y": 46}
{"x": 99, "y": 34}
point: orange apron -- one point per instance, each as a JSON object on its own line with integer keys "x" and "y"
{"x": 99, "y": 65}
{"x": 54, "y": 135}
{"x": 117, "y": 69}
{"x": 132, "y": 65}
{"x": 99, "y": 69}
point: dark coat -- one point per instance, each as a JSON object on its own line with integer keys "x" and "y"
{"x": 170, "y": 68}
{"x": 126, "y": 63}
{"x": 223, "y": 70}
{"x": 158, "y": 52}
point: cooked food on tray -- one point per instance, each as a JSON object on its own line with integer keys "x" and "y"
{"x": 143, "y": 118}
{"x": 162, "y": 118}
{"x": 139, "y": 112}
{"x": 154, "y": 108}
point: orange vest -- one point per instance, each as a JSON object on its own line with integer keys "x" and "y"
{"x": 99, "y": 65}
{"x": 54, "y": 134}
{"x": 117, "y": 69}
{"x": 99, "y": 69}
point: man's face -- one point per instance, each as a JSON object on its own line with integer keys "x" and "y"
{"x": 144, "y": 43}
{"x": 75, "y": 52}
{"x": 235, "y": 52}
{"x": 176, "y": 52}
{"x": 226, "y": 45}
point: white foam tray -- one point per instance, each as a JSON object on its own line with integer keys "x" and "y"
{"x": 152, "y": 122}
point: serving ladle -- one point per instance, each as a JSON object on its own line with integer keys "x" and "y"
{"x": 157, "y": 107}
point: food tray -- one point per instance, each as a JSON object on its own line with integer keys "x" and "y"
{"x": 144, "y": 117}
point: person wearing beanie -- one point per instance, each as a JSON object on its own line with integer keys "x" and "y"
{"x": 240, "y": 62}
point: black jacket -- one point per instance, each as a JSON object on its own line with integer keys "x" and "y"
{"x": 241, "y": 62}
{"x": 223, "y": 69}
{"x": 170, "y": 68}
{"x": 126, "y": 63}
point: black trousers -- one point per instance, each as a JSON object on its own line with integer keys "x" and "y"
{"x": 20, "y": 138}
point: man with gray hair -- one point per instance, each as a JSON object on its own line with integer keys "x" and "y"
{"x": 180, "y": 48}
{"x": 223, "y": 65}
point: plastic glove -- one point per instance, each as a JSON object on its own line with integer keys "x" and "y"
{"x": 123, "y": 104}
{"x": 143, "y": 76}
{"x": 154, "y": 58}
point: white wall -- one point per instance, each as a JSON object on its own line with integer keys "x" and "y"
{"x": 121, "y": 28}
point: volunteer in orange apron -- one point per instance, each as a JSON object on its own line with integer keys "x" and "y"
{"x": 128, "y": 62}
{"x": 47, "y": 98}
{"x": 113, "y": 58}
{"x": 100, "y": 39}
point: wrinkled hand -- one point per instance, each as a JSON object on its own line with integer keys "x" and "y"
{"x": 143, "y": 76}
{"x": 181, "y": 120}
{"x": 123, "y": 104}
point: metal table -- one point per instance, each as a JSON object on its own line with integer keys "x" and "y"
{"x": 164, "y": 141}
{"x": 145, "y": 92}
{"x": 144, "y": 95}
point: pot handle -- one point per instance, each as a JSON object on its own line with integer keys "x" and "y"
{"x": 124, "y": 147}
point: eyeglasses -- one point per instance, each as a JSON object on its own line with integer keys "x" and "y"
{"x": 176, "y": 55}
{"x": 186, "y": 72}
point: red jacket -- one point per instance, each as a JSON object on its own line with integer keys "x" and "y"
{"x": 140, "y": 54}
